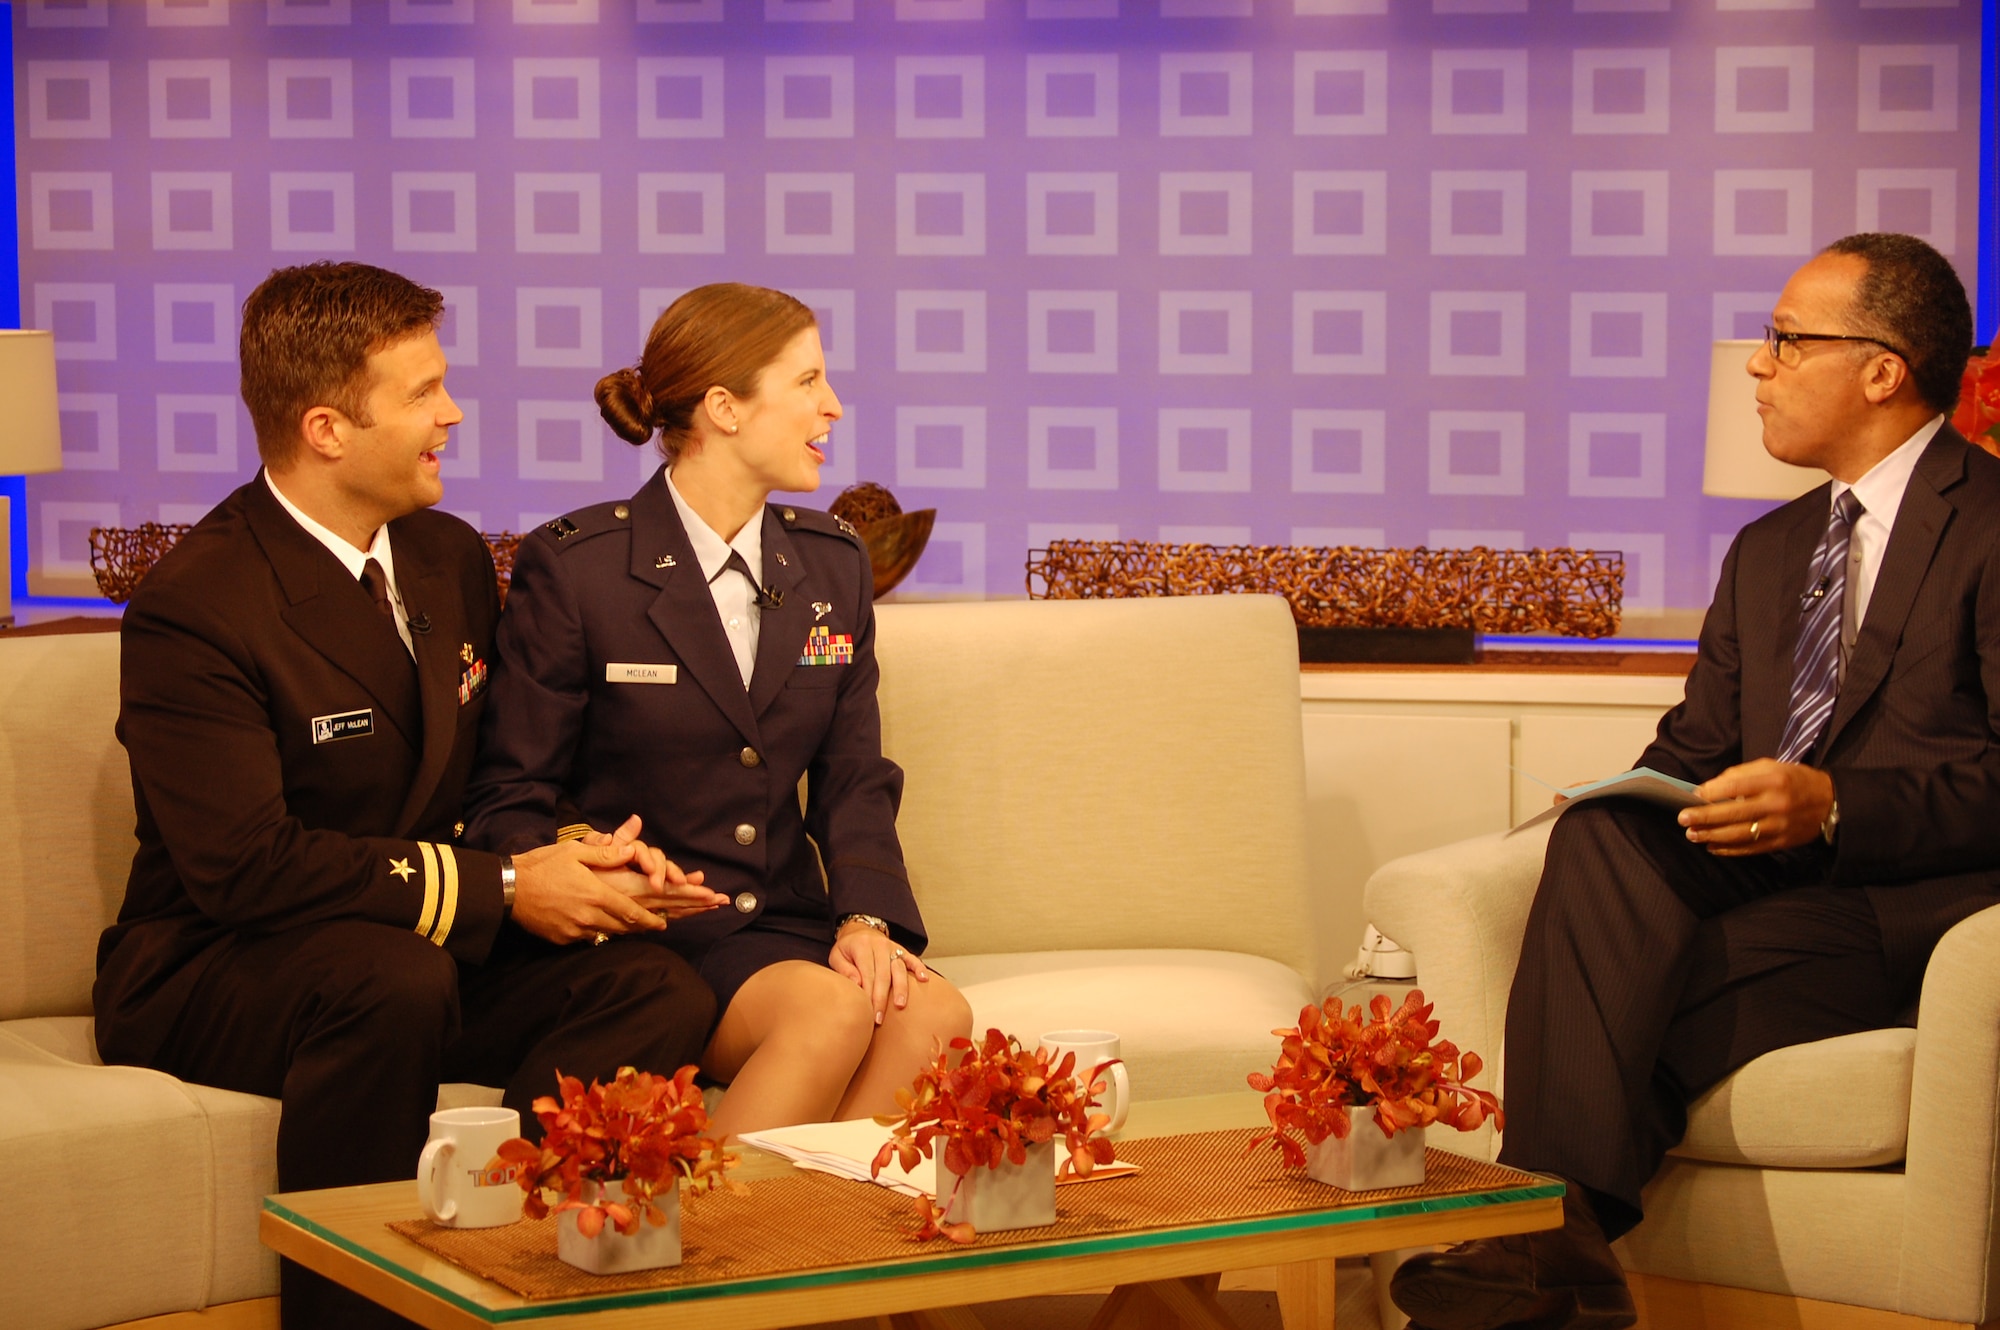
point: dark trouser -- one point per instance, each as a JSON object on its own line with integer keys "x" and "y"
{"x": 353, "y": 1025}
{"x": 1650, "y": 971}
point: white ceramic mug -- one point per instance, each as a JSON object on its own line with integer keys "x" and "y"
{"x": 457, "y": 1188}
{"x": 1093, "y": 1047}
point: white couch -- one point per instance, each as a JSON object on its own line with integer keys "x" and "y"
{"x": 1104, "y": 821}
{"x": 1859, "y": 1170}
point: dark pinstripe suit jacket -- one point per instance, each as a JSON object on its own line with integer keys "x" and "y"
{"x": 1914, "y": 743}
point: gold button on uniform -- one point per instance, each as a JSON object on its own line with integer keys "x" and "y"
{"x": 745, "y": 902}
{"x": 746, "y": 834}
{"x": 748, "y": 757}
{"x": 621, "y": 512}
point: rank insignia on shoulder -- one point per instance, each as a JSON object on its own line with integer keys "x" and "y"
{"x": 563, "y": 528}
{"x": 401, "y": 868}
{"x": 848, "y": 527}
{"x": 826, "y": 647}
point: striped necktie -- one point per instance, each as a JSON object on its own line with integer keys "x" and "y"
{"x": 1816, "y": 659}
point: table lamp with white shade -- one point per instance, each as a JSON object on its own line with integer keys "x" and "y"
{"x": 30, "y": 430}
{"x": 1735, "y": 465}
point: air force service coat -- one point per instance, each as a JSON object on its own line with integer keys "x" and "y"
{"x": 615, "y": 692}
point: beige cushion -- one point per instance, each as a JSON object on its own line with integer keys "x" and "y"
{"x": 1131, "y": 768}
{"x": 1190, "y": 1022}
{"x": 1837, "y": 1103}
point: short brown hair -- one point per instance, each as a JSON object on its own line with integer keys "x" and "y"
{"x": 722, "y": 335}
{"x": 307, "y": 335}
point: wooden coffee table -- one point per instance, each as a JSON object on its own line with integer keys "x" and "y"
{"x": 1159, "y": 1275}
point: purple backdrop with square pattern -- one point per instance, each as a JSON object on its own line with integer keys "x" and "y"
{"x": 1319, "y": 271}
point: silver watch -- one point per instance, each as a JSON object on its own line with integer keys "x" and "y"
{"x": 506, "y": 886}
{"x": 868, "y": 919}
{"x": 1831, "y": 822}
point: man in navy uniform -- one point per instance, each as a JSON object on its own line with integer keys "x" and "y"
{"x": 302, "y": 681}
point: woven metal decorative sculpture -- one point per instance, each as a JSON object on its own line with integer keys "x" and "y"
{"x": 121, "y": 555}
{"x": 1574, "y": 593}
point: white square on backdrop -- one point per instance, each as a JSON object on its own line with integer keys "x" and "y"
{"x": 1072, "y": 212}
{"x": 66, "y": 535}
{"x": 1072, "y": 96}
{"x": 943, "y": 447}
{"x": 940, "y": 11}
{"x": 559, "y": 440}
{"x": 1043, "y": 534}
{"x": 809, "y": 97}
{"x": 1479, "y": 333}
{"x": 1741, "y": 314}
{"x": 1203, "y": 533}
{"x": 1763, "y": 89}
{"x": 1205, "y": 212}
{"x": 188, "y": 99}
{"x": 69, "y": 99}
{"x": 1072, "y": 448}
{"x": 1479, "y": 212}
{"x": 66, "y": 13}
{"x": 559, "y": 327}
{"x": 558, "y": 213}
{"x": 312, "y": 211}
{"x": 460, "y": 458}
{"x": 196, "y": 432}
{"x": 458, "y": 330}
{"x": 653, "y": 302}
{"x": 1617, "y": 213}
{"x": 940, "y": 96}
{"x": 1477, "y": 452}
{"x": 434, "y": 212}
{"x": 1072, "y": 332}
{"x": 431, "y": 99}
{"x": 312, "y": 99}
{"x": 1645, "y": 564}
{"x": 556, "y": 99}
{"x": 953, "y": 566}
{"x": 1619, "y": 92}
{"x": 1727, "y": 6}
{"x": 835, "y": 312}
{"x": 680, "y": 212}
{"x": 1909, "y": 89}
{"x": 1339, "y": 452}
{"x": 1479, "y": 92}
{"x": 940, "y": 332}
{"x": 809, "y": 212}
{"x": 1340, "y": 332}
{"x": 1617, "y": 455}
{"x": 89, "y": 431}
{"x": 308, "y": 13}
{"x": 187, "y": 13}
{"x": 1617, "y": 334}
{"x": 1763, "y": 212}
{"x": 1205, "y": 94}
{"x": 940, "y": 214}
{"x": 1204, "y": 450}
{"x": 193, "y": 210}
{"x": 70, "y": 209}
{"x": 1340, "y": 92}
{"x": 1918, "y": 201}
{"x": 1340, "y": 212}
{"x": 680, "y": 97}
{"x": 1205, "y": 332}
{"x": 555, "y": 11}
{"x": 83, "y": 316}
{"x": 194, "y": 321}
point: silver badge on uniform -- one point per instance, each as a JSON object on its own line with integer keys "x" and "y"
{"x": 343, "y": 725}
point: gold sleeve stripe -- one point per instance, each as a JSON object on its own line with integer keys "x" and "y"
{"x": 448, "y": 911}
{"x": 574, "y": 831}
{"x": 429, "y": 915}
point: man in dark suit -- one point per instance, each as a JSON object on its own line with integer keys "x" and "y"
{"x": 301, "y": 686}
{"x": 1843, "y": 720}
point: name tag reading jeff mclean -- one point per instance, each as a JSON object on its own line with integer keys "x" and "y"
{"x": 616, "y": 673}
{"x": 343, "y": 725}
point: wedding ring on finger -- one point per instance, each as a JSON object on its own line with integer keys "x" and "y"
{"x": 1753, "y": 831}
{"x": 898, "y": 953}
{"x": 600, "y": 939}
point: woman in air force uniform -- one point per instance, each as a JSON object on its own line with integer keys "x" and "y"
{"x": 692, "y": 653}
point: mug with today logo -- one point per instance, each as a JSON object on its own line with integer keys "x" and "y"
{"x": 1092, "y": 1049}
{"x": 454, "y": 1183}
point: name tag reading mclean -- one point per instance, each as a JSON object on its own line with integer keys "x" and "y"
{"x": 616, "y": 673}
{"x": 344, "y": 725}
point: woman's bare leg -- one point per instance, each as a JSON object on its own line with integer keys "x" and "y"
{"x": 905, "y": 1041}
{"x": 788, "y": 1046}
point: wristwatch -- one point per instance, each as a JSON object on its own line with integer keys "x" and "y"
{"x": 1831, "y": 822}
{"x": 506, "y": 886}
{"x": 867, "y": 919}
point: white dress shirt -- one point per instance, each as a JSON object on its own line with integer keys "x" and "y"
{"x": 1881, "y": 493}
{"x": 354, "y": 560}
{"x": 735, "y": 599}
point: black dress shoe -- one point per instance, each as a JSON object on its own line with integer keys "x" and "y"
{"x": 1561, "y": 1279}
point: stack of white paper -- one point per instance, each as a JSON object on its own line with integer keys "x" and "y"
{"x": 848, "y": 1149}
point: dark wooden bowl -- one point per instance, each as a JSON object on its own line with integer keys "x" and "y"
{"x": 895, "y": 544}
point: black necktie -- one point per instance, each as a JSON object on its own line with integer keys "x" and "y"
{"x": 377, "y": 584}
{"x": 1816, "y": 658}
{"x": 763, "y": 599}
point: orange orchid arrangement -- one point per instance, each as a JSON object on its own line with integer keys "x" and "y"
{"x": 1394, "y": 1061}
{"x": 1978, "y": 414}
{"x": 642, "y": 1129}
{"x": 990, "y": 1102}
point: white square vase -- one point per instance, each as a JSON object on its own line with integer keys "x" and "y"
{"x": 1011, "y": 1196}
{"x": 653, "y": 1247}
{"x": 1364, "y": 1160}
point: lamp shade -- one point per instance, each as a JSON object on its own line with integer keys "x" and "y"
{"x": 30, "y": 428}
{"x": 1735, "y": 465}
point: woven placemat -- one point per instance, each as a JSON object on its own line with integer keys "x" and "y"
{"x": 812, "y": 1221}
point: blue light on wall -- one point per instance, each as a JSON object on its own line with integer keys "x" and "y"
{"x": 1989, "y": 175}
{"x": 14, "y": 487}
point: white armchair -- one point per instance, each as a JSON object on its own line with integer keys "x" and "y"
{"x": 1860, "y": 1170}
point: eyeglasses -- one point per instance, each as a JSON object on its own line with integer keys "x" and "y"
{"x": 1775, "y": 342}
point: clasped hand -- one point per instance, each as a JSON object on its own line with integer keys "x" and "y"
{"x": 604, "y": 883}
{"x": 1759, "y": 807}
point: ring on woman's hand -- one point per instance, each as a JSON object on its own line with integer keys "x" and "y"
{"x": 600, "y": 939}
{"x": 1753, "y": 830}
{"x": 899, "y": 953}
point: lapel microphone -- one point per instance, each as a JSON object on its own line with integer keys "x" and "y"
{"x": 768, "y": 597}
{"x": 420, "y": 623}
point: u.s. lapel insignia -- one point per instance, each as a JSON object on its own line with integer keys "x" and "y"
{"x": 401, "y": 868}
{"x": 783, "y": 561}
{"x": 666, "y": 561}
{"x": 466, "y": 653}
{"x": 821, "y": 609}
{"x": 563, "y": 528}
